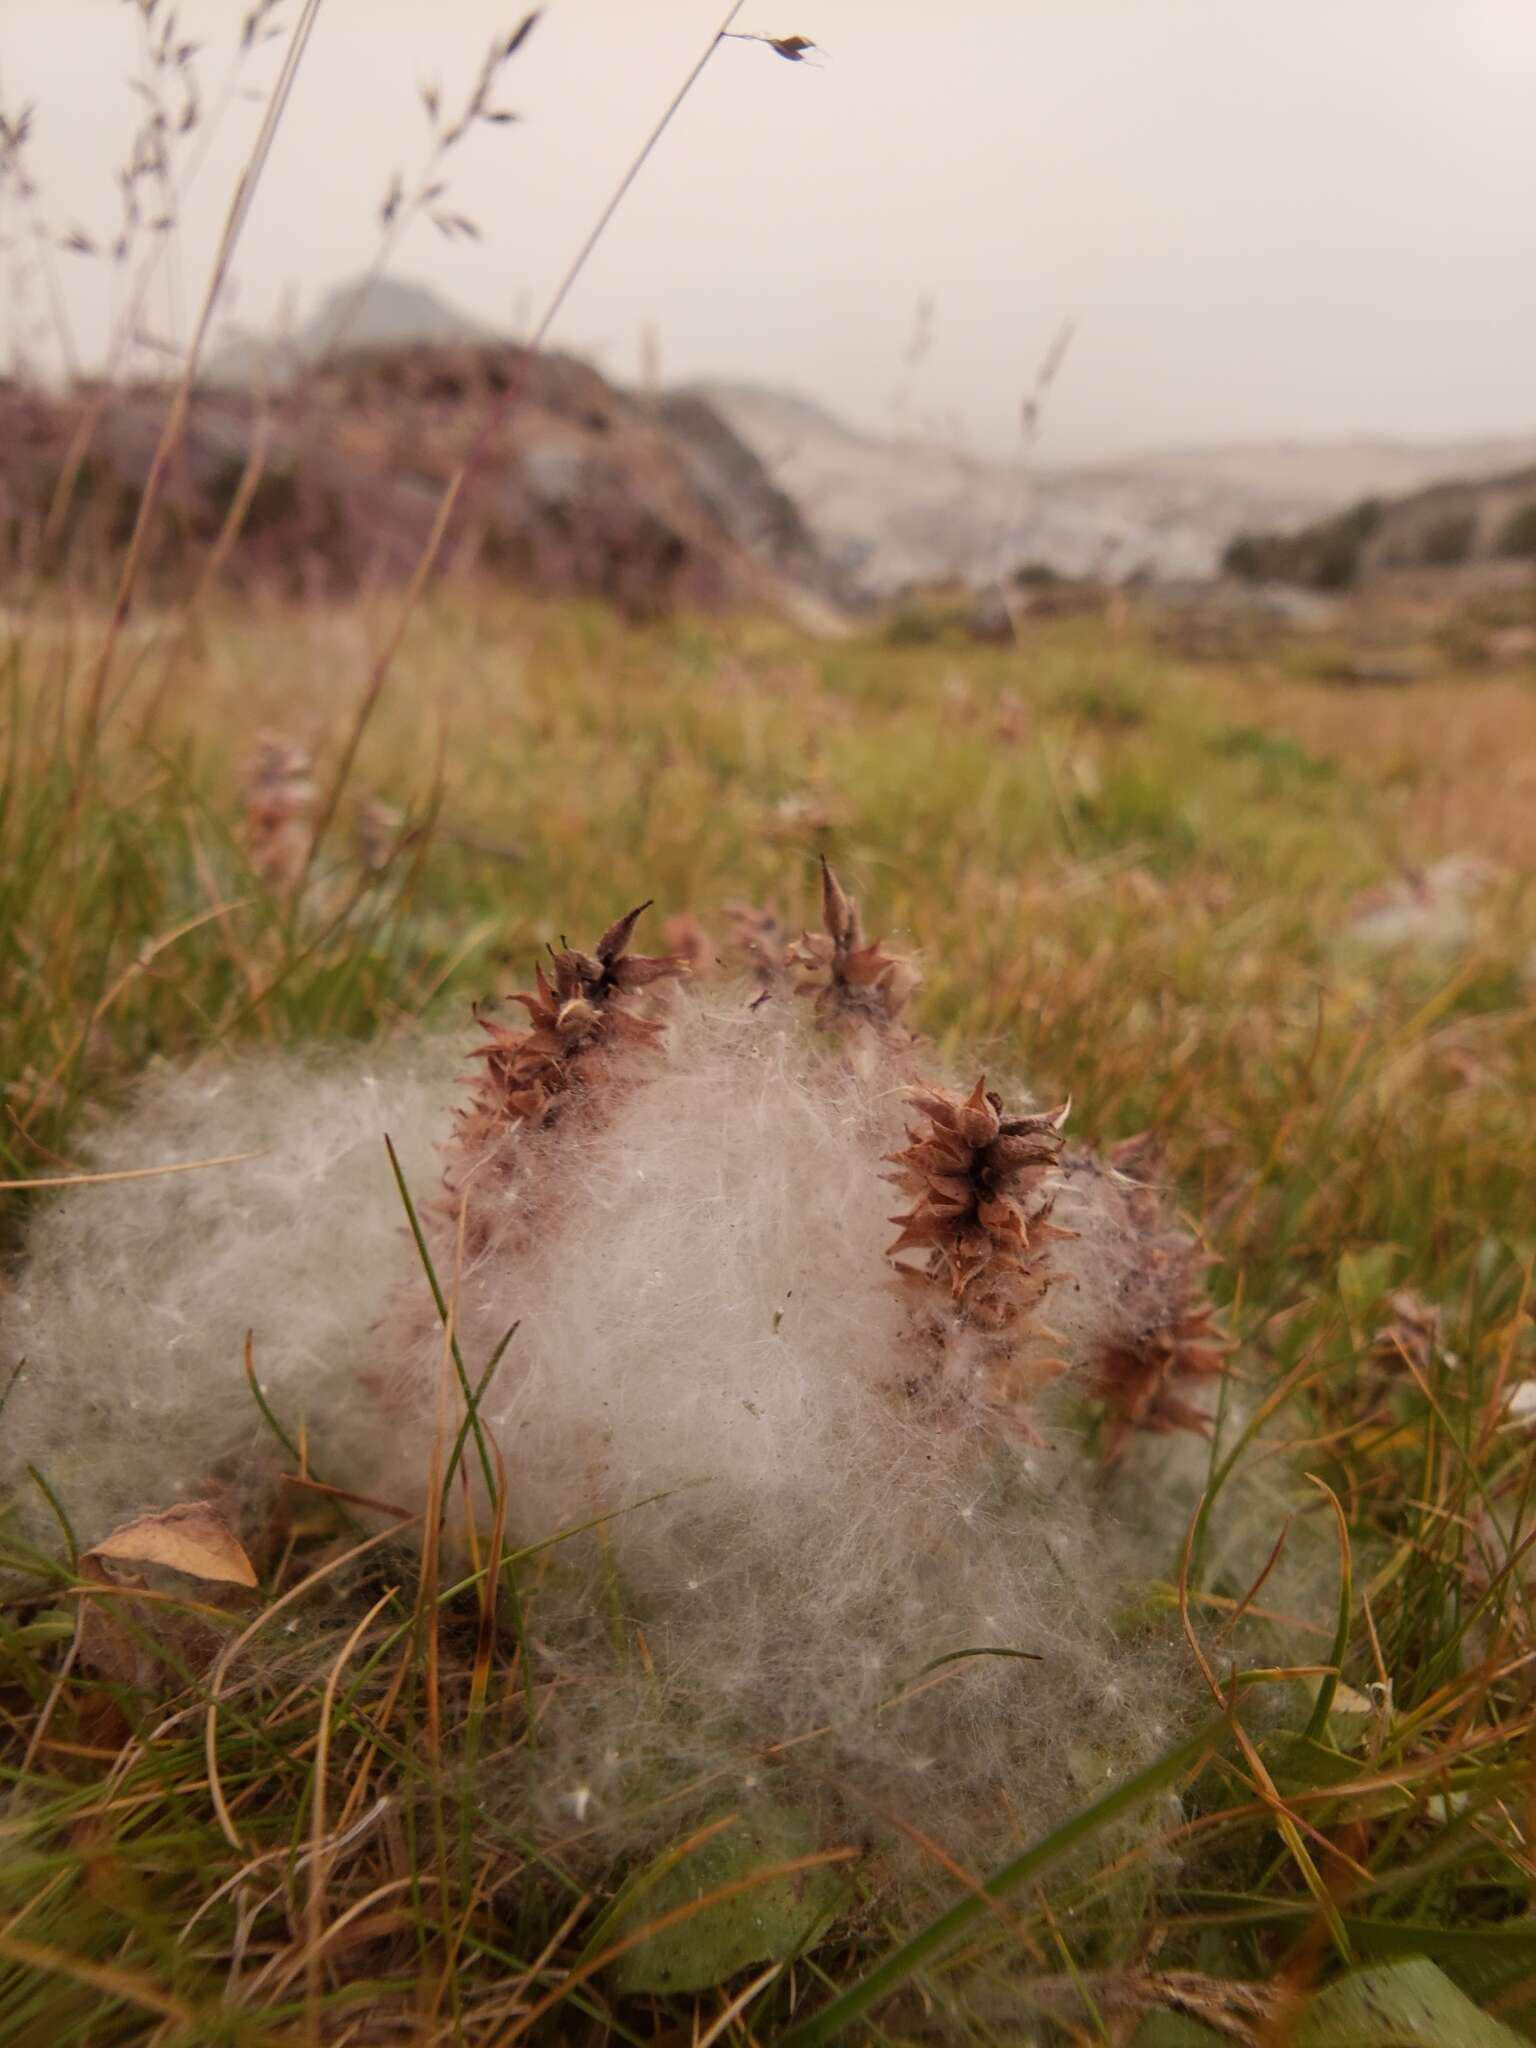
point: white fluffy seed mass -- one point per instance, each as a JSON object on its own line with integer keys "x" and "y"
{"x": 834, "y": 1592}
{"x": 129, "y": 1319}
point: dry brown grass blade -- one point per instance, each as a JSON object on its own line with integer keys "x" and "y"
{"x": 241, "y": 1642}
{"x": 510, "y": 2003}
{"x": 171, "y": 433}
{"x": 138, "y": 965}
{"x": 359, "y": 1786}
{"x": 319, "y": 1844}
{"x": 55, "y": 1693}
{"x": 485, "y": 1641}
{"x": 738, "y": 2005}
{"x": 87, "y": 1180}
{"x": 1290, "y": 1826}
{"x": 287, "y": 1966}
{"x": 352, "y": 1500}
{"x": 506, "y": 403}
{"x": 1000, "y": 1909}
{"x": 128, "y": 1985}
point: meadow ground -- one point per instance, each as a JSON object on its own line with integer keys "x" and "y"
{"x": 1133, "y": 879}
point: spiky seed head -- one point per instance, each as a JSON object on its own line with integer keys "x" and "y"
{"x": 855, "y": 983}
{"x": 588, "y": 1007}
{"x": 981, "y": 1217}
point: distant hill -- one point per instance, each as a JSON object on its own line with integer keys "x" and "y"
{"x": 895, "y": 511}
{"x": 377, "y": 312}
{"x": 1468, "y": 523}
{"x": 648, "y": 501}
{"x": 845, "y": 512}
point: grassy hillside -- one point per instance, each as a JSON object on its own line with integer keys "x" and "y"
{"x": 1133, "y": 881}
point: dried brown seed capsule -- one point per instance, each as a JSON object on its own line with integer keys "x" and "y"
{"x": 1166, "y": 1333}
{"x": 853, "y": 980}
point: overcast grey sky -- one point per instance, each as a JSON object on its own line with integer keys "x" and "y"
{"x": 1291, "y": 219}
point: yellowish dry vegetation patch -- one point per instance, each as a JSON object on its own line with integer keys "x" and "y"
{"x": 1454, "y": 758}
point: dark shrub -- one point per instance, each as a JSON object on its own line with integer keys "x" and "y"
{"x": 1518, "y": 536}
{"x": 1321, "y": 557}
{"x": 1448, "y": 542}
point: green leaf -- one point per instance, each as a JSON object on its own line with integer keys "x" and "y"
{"x": 1412, "y": 2004}
{"x": 772, "y": 1921}
{"x": 1298, "y": 1763}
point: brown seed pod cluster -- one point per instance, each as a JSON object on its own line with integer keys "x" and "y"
{"x": 759, "y": 937}
{"x": 583, "y": 1019}
{"x": 577, "y": 1020}
{"x": 976, "y": 1254}
{"x": 981, "y": 1219}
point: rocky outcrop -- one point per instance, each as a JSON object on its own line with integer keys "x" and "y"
{"x": 573, "y": 486}
{"x": 739, "y": 490}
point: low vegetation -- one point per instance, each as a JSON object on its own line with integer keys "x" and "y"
{"x": 1141, "y": 884}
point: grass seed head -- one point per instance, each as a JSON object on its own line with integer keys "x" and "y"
{"x": 280, "y": 796}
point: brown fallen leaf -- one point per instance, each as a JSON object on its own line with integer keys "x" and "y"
{"x": 192, "y": 1537}
{"x": 192, "y": 1541}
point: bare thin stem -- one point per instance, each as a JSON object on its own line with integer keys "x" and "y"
{"x": 617, "y": 197}
{"x": 176, "y": 418}
{"x": 506, "y": 403}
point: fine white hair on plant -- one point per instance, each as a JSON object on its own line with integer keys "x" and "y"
{"x": 829, "y": 1550}
{"x": 129, "y": 1317}
{"x": 707, "y": 1314}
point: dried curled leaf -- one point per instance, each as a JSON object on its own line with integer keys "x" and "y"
{"x": 193, "y": 1538}
{"x": 145, "y": 1642}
